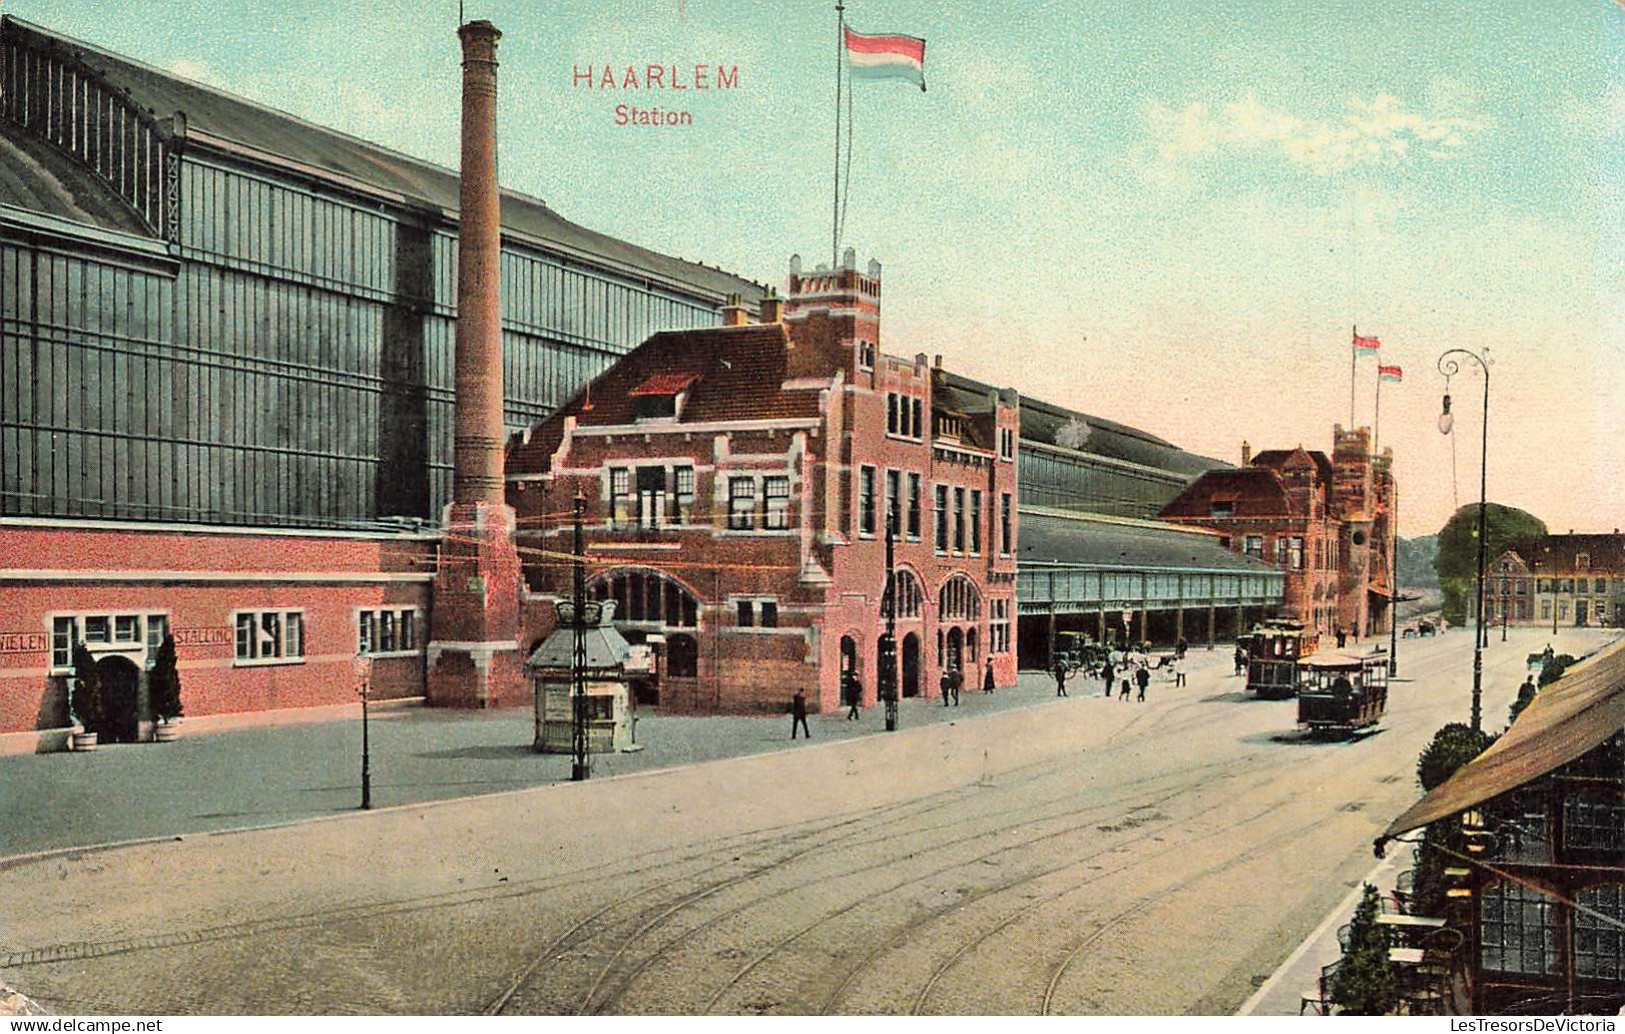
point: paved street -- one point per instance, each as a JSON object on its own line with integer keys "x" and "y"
{"x": 1087, "y": 857}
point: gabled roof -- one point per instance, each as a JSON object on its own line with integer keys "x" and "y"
{"x": 217, "y": 113}
{"x": 1250, "y": 491}
{"x": 1573, "y": 716}
{"x": 1555, "y": 554}
{"x": 731, "y": 374}
{"x": 1279, "y": 459}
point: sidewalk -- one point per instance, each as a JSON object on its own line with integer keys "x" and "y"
{"x": 270, "y": 775}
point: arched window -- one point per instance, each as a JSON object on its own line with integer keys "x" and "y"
{"x": 909, "y": 596}
{"x": 647, "y": 598}
{"x": 958, "y": 599}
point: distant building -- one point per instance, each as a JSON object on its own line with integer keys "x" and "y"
{"x": 1558, "y": 580}
{"x": 1325, "y": 522}
{"x": 1544, "y": 808}
{"x": 738, "y": 482}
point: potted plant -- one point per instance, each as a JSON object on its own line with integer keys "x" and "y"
{"x": 85, "y": 699}
{"x": 164, "y": 692}
{"x": 1366, "y": 984}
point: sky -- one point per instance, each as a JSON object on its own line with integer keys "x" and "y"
{"x": 1167, "y": 215}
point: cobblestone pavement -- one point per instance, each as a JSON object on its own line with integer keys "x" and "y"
{"x": 268, "y": 775}
{"x": 1090, "y": 857}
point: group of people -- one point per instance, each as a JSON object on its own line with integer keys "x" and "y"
{"x": 953, "y": 680}
{"x": 1129, "y": 669}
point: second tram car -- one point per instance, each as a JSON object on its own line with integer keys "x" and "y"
{"x": 1343, "y": 692}
{"x": 1274, "y": 653}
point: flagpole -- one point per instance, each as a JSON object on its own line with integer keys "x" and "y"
{"x": 835, "y": 214}
{"x": 1376, "y": 419}
{"x": 1354, "y": 365}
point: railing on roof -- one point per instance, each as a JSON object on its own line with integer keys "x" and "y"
{"x": 46, "y": 90}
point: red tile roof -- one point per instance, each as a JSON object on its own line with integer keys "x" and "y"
{"x": 731, "y": 374}
{"x": 1254, "y": 491}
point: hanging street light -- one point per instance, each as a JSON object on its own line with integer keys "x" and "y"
{"x": 1449, "y": 367}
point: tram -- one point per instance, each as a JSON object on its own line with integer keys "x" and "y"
{"x": 1343, "y": 692}
{"x": 1275, "y": 652}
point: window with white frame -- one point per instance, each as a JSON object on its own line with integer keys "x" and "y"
{"x": 1005, "y": 507}
{"x": 757, "y": 612}
{"x": 1007, "y": 444}
{"x": 64, "y": 634}
{"x": 976, "y": 522}
{"x": 1253, "y": 546}
{"x": 620, "y": 497}
{"x": 157, "y": 629}
{"x": 269, "y": 636}
{"x": 386, "y": 630}
{"x": 942, "y": 518}
{"x": 894, "y": 490}
{"x": 1294, "y": 553}
{"x": 998, "y": 631}
{"x": 776, "y": 500}
{"x": 111, "y": 632}
{"x": 866, "y": 355}
{"x": 683, "y": 495}
{"x": 959, "y": 520}
{"x": 741, "y": 504}
{"x": 914, "y": 507}
{"x": 866, "y": 500}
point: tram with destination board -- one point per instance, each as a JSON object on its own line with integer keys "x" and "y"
{"x": 1343, "y": 692}
{"x": 1275, "y": 651}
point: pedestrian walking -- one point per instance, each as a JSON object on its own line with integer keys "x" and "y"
{"x": 798, "y": 715}
{"x": 1181, "y": 647}
{"x": 1060, "y": 677}
{"x": 854, "y": 696}
{"x": 987, "y": 677}
{"x": 1179, "y": 670}
{"x": 1126, "y": 684}
{"x": 1241, "y": 660}
{"x": 946, "y": 684}
{"x": 1142, "y": 675}
{"x": 956, "y": 681}
{"x": 1108, "y": 671}
{"x": 1342, "y": 637}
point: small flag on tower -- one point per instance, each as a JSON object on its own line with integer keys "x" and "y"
{"x": 1366, "y": 345}
{"x": 887, "y": 56}
{"x": 1392, "y": 374}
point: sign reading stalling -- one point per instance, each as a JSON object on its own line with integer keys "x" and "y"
{"x": 24, "y": 642}
{"x": 203, "y": 636}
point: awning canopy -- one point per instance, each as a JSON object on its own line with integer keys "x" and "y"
{"x": 1576, "y": 714}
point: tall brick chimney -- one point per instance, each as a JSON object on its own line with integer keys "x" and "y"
{"x": 473, "y": 644}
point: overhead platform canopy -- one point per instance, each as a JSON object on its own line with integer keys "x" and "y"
{"x": 1569, "y": 718}
{"x": 1078, "y": 562}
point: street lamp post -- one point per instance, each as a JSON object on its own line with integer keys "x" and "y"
{"x": 888, "y": 642}
{"x": 581, "y": 767}
{"x": 1449, "y": 367}
{"x": 363, "y": 688}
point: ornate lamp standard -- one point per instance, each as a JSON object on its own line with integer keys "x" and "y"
{"x": 888, "y": 642}
{"x": 1450, "y": 367}
{"x": 363, "y": 688}
{"x": 580, "y": 614}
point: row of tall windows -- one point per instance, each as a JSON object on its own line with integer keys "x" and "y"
{"x": 998, "y": 629}
{"x": 105, "y": 629}
{"x": 1574, "y": 585}
{"x": 392, "y": 630}
{"x": 269, "y": 636}
{"x": 904, "y": 416}
{"x": 760, "y": 503}
{"x": 651, "y": 496}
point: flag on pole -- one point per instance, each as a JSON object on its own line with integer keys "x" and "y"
{"x": 1392, "y": 374}
{"x": 886, "y": 57}
{"x": 1366, "y": 345}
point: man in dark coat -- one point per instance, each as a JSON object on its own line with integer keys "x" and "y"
{"x": 946, "y": 683}
{"x": 854, "y": 695}
{"x": 956, "y": 681}
{"x": 1107, "y": 671}
{"x": 1142, "y": 676}
{"x": 798, "y": 715}
{"x": 1060, "y": 677}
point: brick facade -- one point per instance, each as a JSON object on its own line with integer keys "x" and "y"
{"x": 1326, "y": 522}
{"x": 262, "y": 620}
{"x": 736, "y": 485}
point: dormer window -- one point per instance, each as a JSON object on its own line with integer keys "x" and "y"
{"x": 1582, "y": 562}
{"x": 1223, "y": 507}
{"x": 661, "y": 397}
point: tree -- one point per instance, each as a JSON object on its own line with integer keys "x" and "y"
{"x": 1453, "y": 746}
{"x": 164, "y": 684}
{"x": 1457, "y": 560}
{"x": 86, "y": 700}
{"x": 1366, "y": 984}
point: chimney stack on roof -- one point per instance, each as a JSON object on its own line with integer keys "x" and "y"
{"x": 772, "y": 307}
{"x": 1246, "y": 453}
{"x": 733, "y": 312}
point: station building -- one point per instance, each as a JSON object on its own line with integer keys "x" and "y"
{"x": 1325, "y": 522}
{"x": 737, "y": 484}
{"x": 226, "y": 381}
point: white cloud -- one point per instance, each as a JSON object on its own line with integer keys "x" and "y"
{"x": 1381, "y": 131}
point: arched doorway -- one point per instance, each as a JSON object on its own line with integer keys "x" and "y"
{"x": 121, "y": 703}
{"x": 956, "y": 649}
{"x": 911, "y": 665}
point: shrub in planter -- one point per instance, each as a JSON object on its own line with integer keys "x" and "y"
{"x": 164, "y": 684}
{"x": 85, "y": 704}
{"x": 1366, "y": 984}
